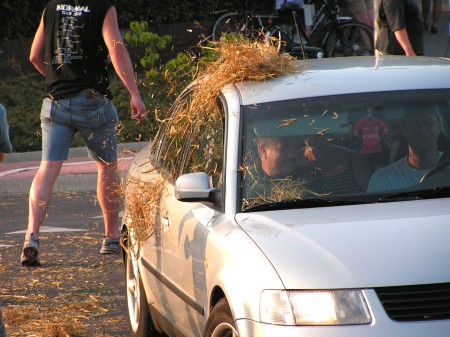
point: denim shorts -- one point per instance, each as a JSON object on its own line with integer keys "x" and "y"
{"x": 89, "y": 113}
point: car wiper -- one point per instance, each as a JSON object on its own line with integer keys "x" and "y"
{"x": 302, "y": 203}
{"x": 438, "y": 192}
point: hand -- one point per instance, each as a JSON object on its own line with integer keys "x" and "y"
{"x": 138, "y": 109}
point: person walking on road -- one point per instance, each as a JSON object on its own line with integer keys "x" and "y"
{"x": 71, "y": 48}
{"x": 399, "y": 28}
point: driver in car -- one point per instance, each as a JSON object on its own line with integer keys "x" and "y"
{"x": 275, "y": 174}
{"x": 421, "y": 130}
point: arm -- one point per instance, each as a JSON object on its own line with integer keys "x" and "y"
{"x": 122, "y": 63}
{"x": 5, "y": 144}
{"x": 402, "y": 37}
{"x": 37, "y": 48}
{"x": 395, "y": 15}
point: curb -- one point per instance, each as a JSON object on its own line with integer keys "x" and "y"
{"x": 76, "y": 152}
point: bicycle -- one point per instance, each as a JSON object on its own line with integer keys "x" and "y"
{"x": 254, "y": 27}
{"x": 247, "y": 23}
{"x": 331, "y": 33}
{"x": 335, "y": 35}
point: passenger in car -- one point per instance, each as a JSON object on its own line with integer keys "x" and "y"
{"x": 343, "y": 171}
{"x": 421, "y": 129}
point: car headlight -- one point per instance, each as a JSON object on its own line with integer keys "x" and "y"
{"x": 322, "y": 307}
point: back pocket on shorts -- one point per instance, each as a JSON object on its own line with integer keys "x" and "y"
{"x": 47, "y": 110}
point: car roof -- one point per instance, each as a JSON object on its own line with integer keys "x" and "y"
{"x": 336, "y": 76}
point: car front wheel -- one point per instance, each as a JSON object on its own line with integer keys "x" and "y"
{"x": 138, "y": 310}
{"x": 220, "y": 323}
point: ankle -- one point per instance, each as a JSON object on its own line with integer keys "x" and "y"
{"x": 113, "y": 237}
{"x": 32, "y": 235}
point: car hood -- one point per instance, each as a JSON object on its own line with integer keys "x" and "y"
{"x": 356, "y": 246}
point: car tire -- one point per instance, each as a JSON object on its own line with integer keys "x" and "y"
{"x": 221, "y": 323}
{"x": 138, "y": 311}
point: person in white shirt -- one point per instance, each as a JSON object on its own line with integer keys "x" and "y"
{"x": 421, "y": 130}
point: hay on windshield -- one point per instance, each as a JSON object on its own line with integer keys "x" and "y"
{"x": 237, "y": 61}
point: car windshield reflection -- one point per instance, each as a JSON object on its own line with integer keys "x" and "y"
{"x": 348, "y": 148}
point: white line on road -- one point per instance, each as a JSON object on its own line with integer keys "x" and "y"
{"x": 49, "y": 229}
{"x": 24, "y": 169}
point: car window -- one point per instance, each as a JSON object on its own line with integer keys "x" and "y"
{"x": 193, "y": 141}
{"x": 205, "y": 152}
{"x": 343, "y": 147}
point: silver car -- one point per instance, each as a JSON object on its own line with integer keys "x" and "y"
{"x": 312, "y": 204}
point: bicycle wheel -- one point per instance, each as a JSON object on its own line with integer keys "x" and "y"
{"x": 349, "y": 39}
{"x": 230, "y": 23}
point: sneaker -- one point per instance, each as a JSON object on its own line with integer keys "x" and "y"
{"x": 30, "y": 251}
{"x": 110, "y": 246}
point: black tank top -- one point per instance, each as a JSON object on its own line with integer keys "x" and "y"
{"x": 75, "y": 53}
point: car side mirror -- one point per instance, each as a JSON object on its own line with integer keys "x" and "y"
{"x": 192, "y": 187}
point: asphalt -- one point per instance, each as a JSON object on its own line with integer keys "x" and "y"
{"x": 70, "y": 239}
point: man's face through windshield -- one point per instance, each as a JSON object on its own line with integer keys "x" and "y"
{"x": 421, "y": 131}
{"x": 279, "y": 156}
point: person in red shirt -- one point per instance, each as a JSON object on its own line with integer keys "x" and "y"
{"x": 371, "y": 130}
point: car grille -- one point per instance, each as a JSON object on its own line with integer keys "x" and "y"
{"x": 417, "y": 302}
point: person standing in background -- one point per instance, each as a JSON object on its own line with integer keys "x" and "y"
{"x": 426, "y": 7}
{"x": 362, "y": 11}
{"x": 5, "y": 144}
{"x": 399, "y": 28}
{"x": 71, "y": 49}
{"x": 285, "y": 8}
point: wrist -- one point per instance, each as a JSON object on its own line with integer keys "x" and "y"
{"x": 135, "y": 95}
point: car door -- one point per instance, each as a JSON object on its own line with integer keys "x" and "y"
{"x": 194, "y": 144}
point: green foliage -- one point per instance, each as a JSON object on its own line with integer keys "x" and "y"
{"x": 159, "y": 77}
{"x": 155, "y": 83}
{"x": 179, "y": 71}
{"x": 184, "y": 68}
{"x": 22, "y": 97}
{"x": 19, "y": 19}
{"x": 141, "y": 37}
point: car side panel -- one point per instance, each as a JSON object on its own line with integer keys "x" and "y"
{"x": 183, "y": 244}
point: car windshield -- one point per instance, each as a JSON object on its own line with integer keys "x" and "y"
{"x": 347, "y": 148}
